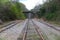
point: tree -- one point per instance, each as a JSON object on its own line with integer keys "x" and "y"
{"x": 11, "y": 10}
{"x": 50, "y": 10}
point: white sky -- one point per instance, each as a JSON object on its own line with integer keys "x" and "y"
{"x": 30, "y": 4}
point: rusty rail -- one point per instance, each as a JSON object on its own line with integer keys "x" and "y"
{"x": 9, "y": 26}
{"x": 51, "y": 26}
{"x": 38, "y": 31}
{"x": 36, "y": 28}
{"x": 26, "y": 30}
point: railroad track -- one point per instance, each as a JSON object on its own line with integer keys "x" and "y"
{"x": 51, "y": 26}
{"x": 26, "y": 30}
{"x": 31, "y": 32}
{"x": 38, "y": 31}
{"x": 8, "y": 26}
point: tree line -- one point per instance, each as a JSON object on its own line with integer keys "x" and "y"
{"x": 11, "y": 10}
{"x": 50, "y": 10}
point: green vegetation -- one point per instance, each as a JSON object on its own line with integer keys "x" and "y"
{"x": 11, "y": 10}
{"x": 50, "y": 10}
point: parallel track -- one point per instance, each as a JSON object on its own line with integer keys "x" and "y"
{"x": 51, "y": 26}
{"x": 25, "y": 31}
{"x": 39, "y": 33}
{"x": 9, "y": 26}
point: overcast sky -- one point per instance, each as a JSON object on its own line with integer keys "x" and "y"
{"x": 30, "y": 4}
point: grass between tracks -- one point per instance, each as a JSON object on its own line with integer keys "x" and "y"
{"x": 33, "y": 37}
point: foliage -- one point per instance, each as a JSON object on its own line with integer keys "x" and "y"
{"x": 11, "y": 10}
{"x": 50, "y": 10}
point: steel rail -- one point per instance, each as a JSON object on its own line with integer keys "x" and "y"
{"x": 51, "y": 26}
{"x": 38, "y": 31}
{"x": 26, "y": 30}
{"x": 9, "y": 26}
